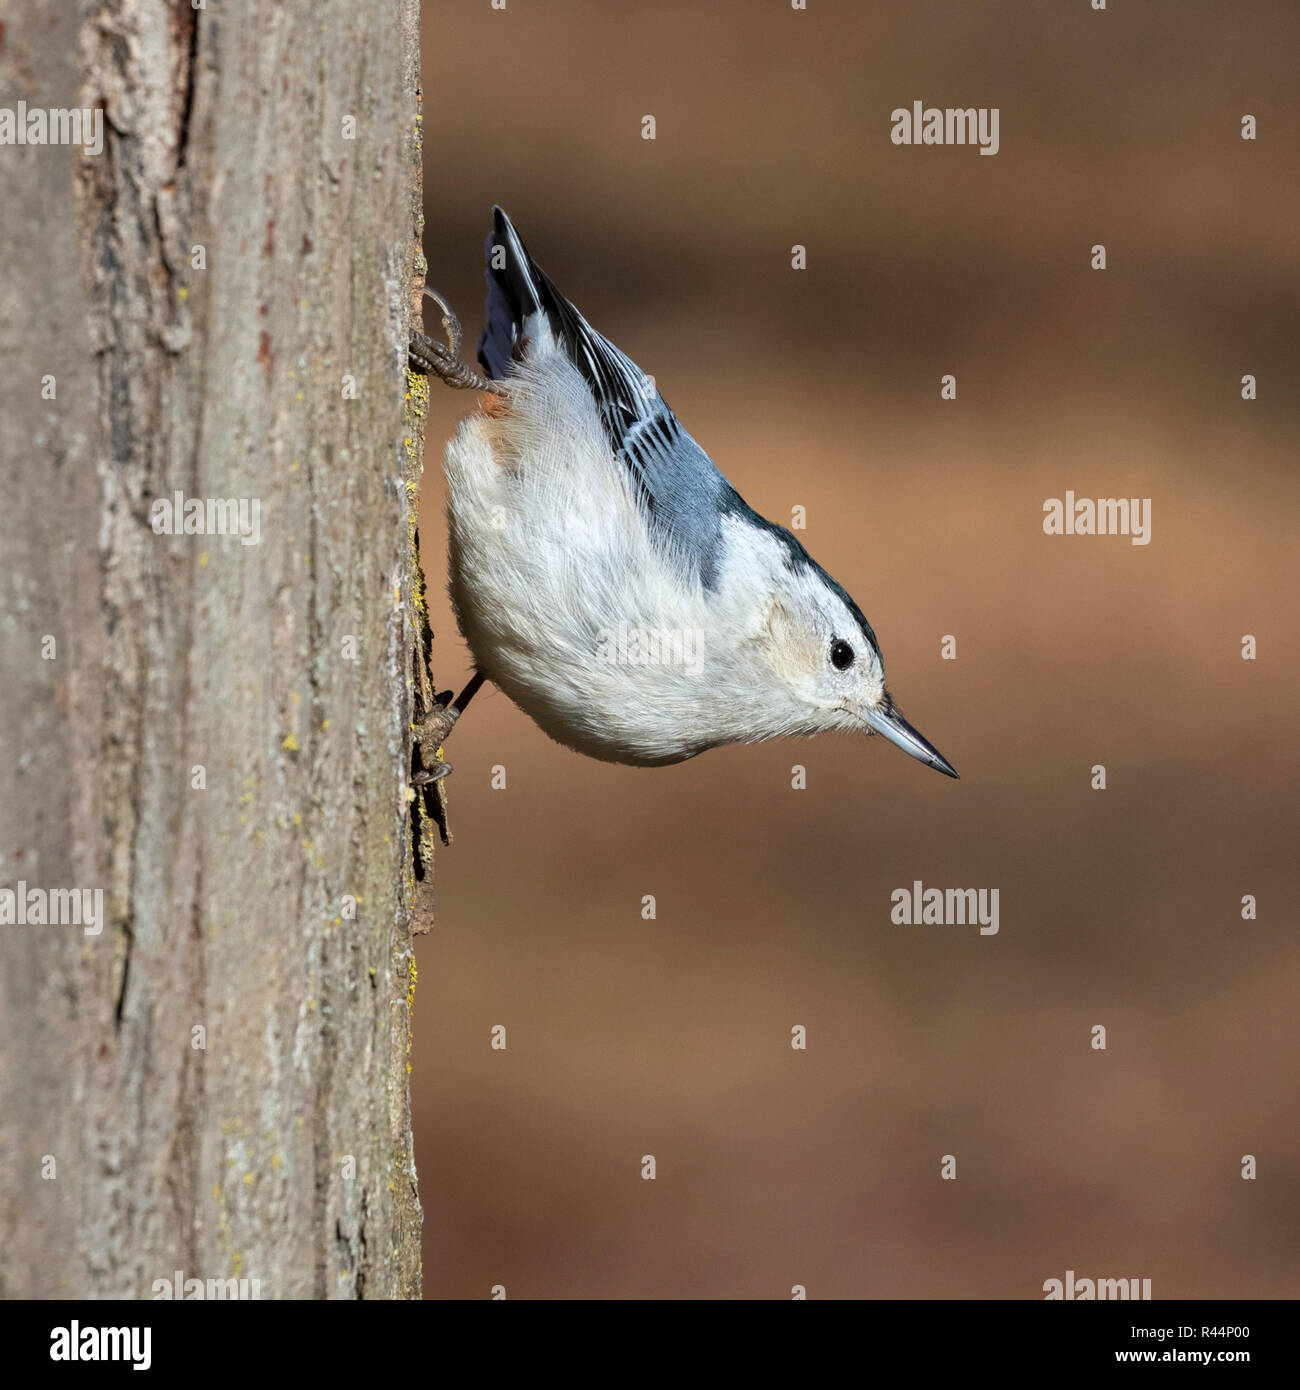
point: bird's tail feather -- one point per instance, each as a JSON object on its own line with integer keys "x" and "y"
{"x": 517, "y": 289}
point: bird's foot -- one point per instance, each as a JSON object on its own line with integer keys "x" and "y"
{"x": 433, "y": 732}
{"x": 428, "y": 775}
{"x": 443, "y": 360}
{"x": 429, "y": 738}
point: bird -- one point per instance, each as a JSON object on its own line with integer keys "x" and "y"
{"x": 606, "y": 575}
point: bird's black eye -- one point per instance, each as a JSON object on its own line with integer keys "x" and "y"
{"x": 841, "y": 654}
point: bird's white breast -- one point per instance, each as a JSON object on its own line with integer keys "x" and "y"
{"x": 568, "y": 601}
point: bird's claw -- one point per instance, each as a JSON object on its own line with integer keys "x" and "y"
{"x": 433, "y": 358}
{"x": 432, "y": 733}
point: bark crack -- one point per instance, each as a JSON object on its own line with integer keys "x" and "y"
{"x": 187, "y": 19}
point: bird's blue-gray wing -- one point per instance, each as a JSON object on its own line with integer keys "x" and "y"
{"x": 683, "y": 493}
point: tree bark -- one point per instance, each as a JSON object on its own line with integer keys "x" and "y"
{"x": 214, "y": 733}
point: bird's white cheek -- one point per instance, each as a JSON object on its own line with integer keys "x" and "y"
{"x": 794, "y": 673}
{"x": 788, "y": 650}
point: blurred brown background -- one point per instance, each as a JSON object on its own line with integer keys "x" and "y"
{"x": 821, "y": 388}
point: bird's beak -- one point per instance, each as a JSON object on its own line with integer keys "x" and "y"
{"x": 897, "y": 730}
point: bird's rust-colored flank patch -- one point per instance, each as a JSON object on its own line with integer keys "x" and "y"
{"x": 493, "y": 405}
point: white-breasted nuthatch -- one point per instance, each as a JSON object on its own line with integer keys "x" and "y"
{"x": 607, "y": 576}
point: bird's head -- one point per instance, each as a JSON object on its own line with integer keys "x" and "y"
{"x": 825, "y": 659}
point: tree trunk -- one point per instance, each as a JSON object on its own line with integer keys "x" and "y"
{"x": 213, "y": 732}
